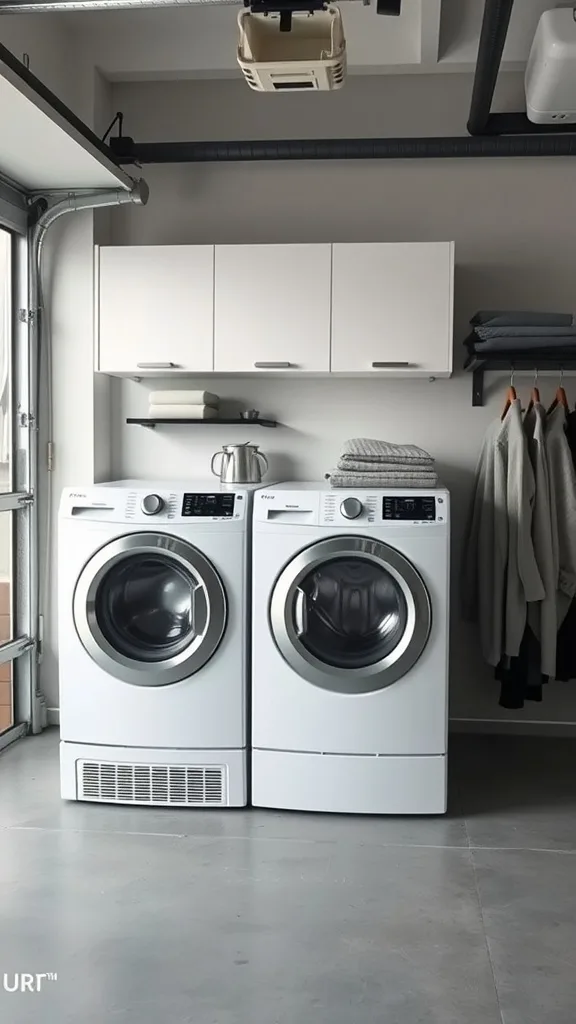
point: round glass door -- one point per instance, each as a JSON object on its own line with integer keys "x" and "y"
{"x": 350, "y": 614}
{"x": 145, "y": 607}
{"x": 150, "y": 609}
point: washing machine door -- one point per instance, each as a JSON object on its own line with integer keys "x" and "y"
{"x": 150, "y": 609}
{"x": 350, "y": 614}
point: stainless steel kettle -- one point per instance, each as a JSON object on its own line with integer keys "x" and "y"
{"x": 240, "y": 464}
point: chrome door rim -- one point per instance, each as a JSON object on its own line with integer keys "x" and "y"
{"x": 381, "y": 673}
{"x": 187, "y": 661}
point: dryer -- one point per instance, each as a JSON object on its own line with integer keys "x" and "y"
{"x": 350, "y": 649}
{"x": 153, "y": 619}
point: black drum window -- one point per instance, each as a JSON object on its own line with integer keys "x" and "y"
{"x": 350, "y": 612}
{"x": 144, "y": 607}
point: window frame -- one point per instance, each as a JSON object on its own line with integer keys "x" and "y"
{"x": 22, "y": 649}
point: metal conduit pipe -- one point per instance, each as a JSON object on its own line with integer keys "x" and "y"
{"x": 41, "y": 6}
{"x": 38, "y": 341}
{"x": 127, "y": 151}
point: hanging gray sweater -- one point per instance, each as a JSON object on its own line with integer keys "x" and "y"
{"x": 499, "y": 570}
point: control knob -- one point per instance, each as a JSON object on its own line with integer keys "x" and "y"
{"x": 351, "y": 508}
{"x": 151, "y": 504}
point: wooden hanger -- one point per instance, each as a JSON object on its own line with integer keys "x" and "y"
{"x": 560, "y": 397}
{"x": 535, "y": 394}
{"x": 511, "y": 395}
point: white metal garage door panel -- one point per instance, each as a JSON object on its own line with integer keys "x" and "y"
{"x": 40, "y": 149}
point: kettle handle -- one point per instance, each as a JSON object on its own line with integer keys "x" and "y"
{"x": 217, "y": 472}
{"x": 260, "y": 455}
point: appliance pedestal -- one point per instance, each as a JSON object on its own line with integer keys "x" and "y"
{"x": 153, "y": 777}
{"x": 349, "y": 783}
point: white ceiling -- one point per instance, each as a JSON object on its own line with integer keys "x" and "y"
{"x": 200, "y": 40}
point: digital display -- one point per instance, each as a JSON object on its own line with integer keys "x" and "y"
{"x": 416, "y": 508}
{"x": 208, "y": 505}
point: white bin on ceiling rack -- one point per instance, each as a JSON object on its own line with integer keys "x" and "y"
{"x": 312, "y": 56}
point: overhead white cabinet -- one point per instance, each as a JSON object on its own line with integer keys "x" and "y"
{"x": 382, "y": 308}
{"x": 272, "y": 308}
{"x": 392, "y": 308}
{"x": 155, "y": 309}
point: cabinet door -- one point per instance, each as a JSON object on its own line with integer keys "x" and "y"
{"x": 155, "y": 309}
{"x": 392, "y": 307}
{"x": 272, "y": 309}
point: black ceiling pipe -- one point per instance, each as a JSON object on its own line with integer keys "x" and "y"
{"x": 492, "y": 38}
{"x": 127, "y": 151}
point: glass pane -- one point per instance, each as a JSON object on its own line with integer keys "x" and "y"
{"x": 6, "y": 697}
{"x": 145, "y": 607}
{"x": 353, "y": 612}
{"x": 6, "y": 564}
{"x": 5, "y": 359}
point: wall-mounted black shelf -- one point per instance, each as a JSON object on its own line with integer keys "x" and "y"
{"x": 478, "y": 365}
{"x": 153, "y": 422}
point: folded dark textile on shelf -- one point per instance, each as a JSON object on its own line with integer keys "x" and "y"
{"x": 540, "y": 343}
{"x": 522, "y": 331}
{"x": 517, "y": 318}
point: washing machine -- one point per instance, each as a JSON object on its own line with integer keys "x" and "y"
{"x": 153, "y": 614}
{"x": 350, "y": 649}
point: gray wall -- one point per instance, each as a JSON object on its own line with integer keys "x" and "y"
{"x": 513, "y": 224}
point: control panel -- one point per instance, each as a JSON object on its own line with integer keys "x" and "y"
{"x": 365, "y": 508}
{"x": 359, "y": 509}
{"x": 221, "y": 505}
{"x": 159, "y": 506}
{"x": 348, "y": 508}
{"x": 400, "y": 508}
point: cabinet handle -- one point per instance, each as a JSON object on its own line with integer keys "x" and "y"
{"x": 390, "y": 365}
{"x": 157, "y": 366}
{"x": 272, "y": 366}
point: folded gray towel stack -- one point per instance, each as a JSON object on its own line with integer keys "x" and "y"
{"x": 366, "y": 462}
{"x": 517, "y": 331}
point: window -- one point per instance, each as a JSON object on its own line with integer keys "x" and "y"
{"x": 15, "y": 645}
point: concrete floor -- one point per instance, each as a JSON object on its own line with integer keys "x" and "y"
{"x": 245, "y": 917}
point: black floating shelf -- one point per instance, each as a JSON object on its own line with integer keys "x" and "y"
{"x": 478, "y": 365}
{"x": 162, "y": 421}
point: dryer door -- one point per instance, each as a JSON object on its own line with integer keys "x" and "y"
{"x": 350, "y": 614}
{"x": 150, "y": 609}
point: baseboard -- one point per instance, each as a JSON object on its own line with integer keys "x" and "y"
{"x": 512, "y": 727}
{"x": 53, "y": 716}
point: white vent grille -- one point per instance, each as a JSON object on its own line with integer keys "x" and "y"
{"x": 175, "y": 785}
{"x": 131, "y": 505}
{"x": 173, "y": 506}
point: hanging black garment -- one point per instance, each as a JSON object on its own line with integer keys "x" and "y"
{"x": 520, "y": 677}
{"x": 571, "y": 434}
{"x": 566, "y": 644}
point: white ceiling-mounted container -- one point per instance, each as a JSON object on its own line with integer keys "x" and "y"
{"x": 312, "y": 55}
{"x": 550, "y": 78}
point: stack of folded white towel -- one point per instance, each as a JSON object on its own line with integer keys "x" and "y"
{"x": 183, "y": 405}
{"x": 365, "y": 462}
